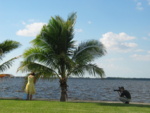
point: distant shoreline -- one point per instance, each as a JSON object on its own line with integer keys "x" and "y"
{"x": 107, "y": 78}
{"x": 115, "y": 78}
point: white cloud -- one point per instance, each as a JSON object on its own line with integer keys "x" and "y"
{"x": 144, "y": 38}
{"x": 118, "y": 42}
{"x": 139, "y": 50}
{"x": 89, "y": 22}
{"x": 111, "y": 60}
{"x": 141, "y": 57}
{"x": 139, "y": 6}
{"x": 148, "y": 2}
{"x": 108, "y": 66}
{"x": 31, "y": 20}
{"x": 76, "y": 43}
{"x": 78, "y": 30}
{"x": 148, "y": 52}
{"x": 130, "y": 45}
{"x": 30, "y": 30}
{"x": 23, "y": 23}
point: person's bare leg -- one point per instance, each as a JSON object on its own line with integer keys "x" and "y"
{"x": 27, "y": 96}
{"x": 30, "y": 97}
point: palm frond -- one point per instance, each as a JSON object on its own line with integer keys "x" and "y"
{"x": 8, "y": 46}
{"x": 6, "y": 65}
{"x": 72, "y": 17}
{"x": 88, "y": 51}
{"x": 92, "y": 69}
{"x": 57, "y": 35}
{"x": 39, "y": 69}
{"x": 1, "y": 51}
{"x": 44, "y": 56}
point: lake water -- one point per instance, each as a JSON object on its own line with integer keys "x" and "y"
{"x": 79, "y": 89}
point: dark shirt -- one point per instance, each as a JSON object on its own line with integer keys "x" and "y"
{"x": 126, "y": 94}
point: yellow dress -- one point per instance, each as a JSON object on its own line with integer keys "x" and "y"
{"x": 30, "y": 89}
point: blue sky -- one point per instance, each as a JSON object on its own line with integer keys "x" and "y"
{"x": 123, "y": 26}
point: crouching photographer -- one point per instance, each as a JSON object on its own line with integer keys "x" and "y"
{"x": 125, "y": 96}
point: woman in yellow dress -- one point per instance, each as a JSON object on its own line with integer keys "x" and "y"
{"x": 30, "y": 89}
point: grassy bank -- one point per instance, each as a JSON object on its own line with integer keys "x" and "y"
{"x": 22, "y": 106}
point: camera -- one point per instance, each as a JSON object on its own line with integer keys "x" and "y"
{"x": 117, "y": 89}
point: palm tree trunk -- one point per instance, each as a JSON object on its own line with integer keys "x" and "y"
{"x": 63, "y": 85}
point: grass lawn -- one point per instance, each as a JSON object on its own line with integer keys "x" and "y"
{"x": 22, "y": 106}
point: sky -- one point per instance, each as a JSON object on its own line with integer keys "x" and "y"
{"x": 123, "y": 26}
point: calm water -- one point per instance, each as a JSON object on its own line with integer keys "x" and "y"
{"x": 79, "y": 89}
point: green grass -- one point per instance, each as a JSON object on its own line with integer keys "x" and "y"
{"x": 22, "y": 106}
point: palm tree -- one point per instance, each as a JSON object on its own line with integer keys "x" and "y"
{"x": 54, "y": 53}
{"x": 6, "y": 47}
